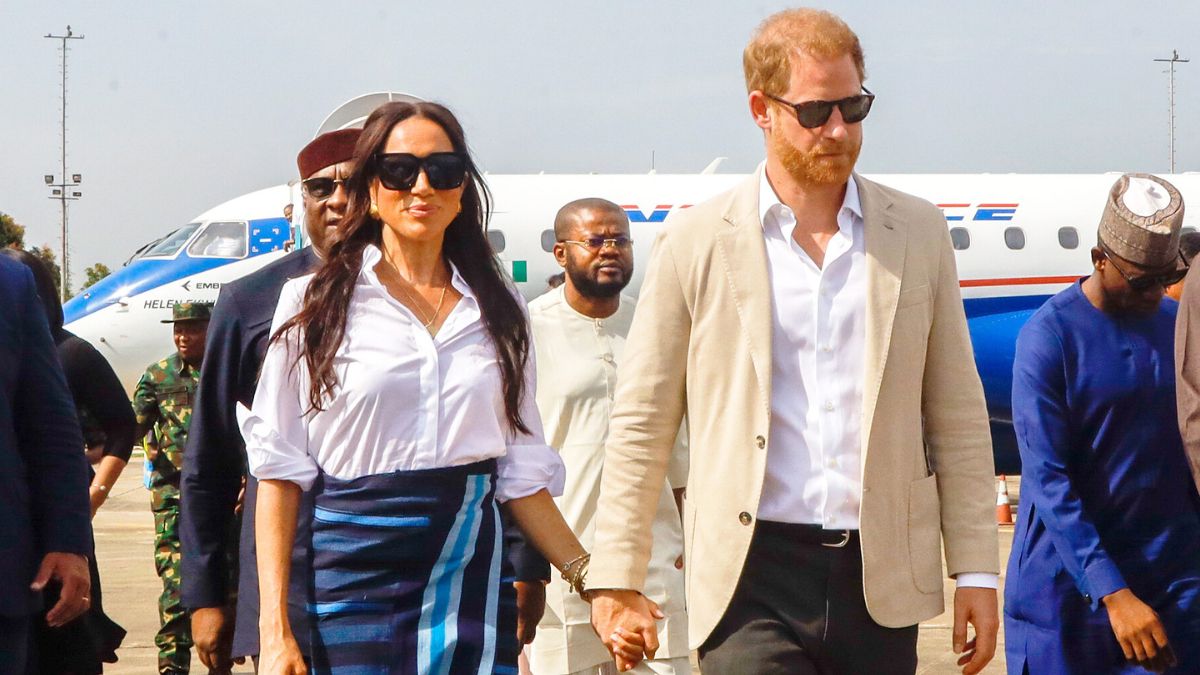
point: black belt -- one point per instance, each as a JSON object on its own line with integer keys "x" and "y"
{"x": 809, "y": 534}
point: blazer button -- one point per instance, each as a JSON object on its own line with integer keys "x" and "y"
{"x": 1087, "y": 598}
{"x": 760, "y": 442}
{"x": 745, "y": 518}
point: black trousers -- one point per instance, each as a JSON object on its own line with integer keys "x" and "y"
{"x": 798, "y": 609}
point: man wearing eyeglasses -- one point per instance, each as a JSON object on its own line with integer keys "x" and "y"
{"x": 214, "y": 561}
{"x": 809, "y": 324}
{"x": 579, "y": 331}
{"x": 1104, "y": 575}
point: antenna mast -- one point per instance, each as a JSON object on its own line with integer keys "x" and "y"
{"x": 1171, "y": 94}
{"x": 64, "y": 191}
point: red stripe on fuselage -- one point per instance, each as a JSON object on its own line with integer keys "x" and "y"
{"x": 1017, "y": 281}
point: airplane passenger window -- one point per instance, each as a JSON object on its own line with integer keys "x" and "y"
{"x": 1068, "y": 237}
{"x": 961, "y": 238}
{"x": 496, "y": 239}
{"x": 1014, "y": 238}
{"x": 171, "y": 243}
{"x": 220, "y": 240}
{"x": 548, "y": 241}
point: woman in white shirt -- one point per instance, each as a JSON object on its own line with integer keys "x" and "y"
{"x": 399, "y": 387}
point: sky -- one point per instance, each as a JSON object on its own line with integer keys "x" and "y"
{"x": 176, "y": 107}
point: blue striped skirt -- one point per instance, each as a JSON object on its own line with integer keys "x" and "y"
{"x": 409, "y": 575}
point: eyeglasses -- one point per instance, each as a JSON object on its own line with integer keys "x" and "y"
{"x": 1145, "y": 282}
{"x": 321, "y": 189}
{"x": 597, "y": 244}
{"x": 399, "y": 170}
{"x": 812, "y": 114}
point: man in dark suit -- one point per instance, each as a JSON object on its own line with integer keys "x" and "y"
{"x": 212, "y": 478}
{"x": 44, "y": 508}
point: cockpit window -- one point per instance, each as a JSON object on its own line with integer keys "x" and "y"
{"x": 220, "y": 240}
{"x": 170, "y": 244}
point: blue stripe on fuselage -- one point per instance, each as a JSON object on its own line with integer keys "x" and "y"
{"x": 139, "y": 276}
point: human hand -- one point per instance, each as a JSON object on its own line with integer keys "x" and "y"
{"x": 212, "y": 635}
{"x": 280, "y": 655}
{"x": 70, "y": 569}
{"x": 979, "y": 607}
{"x": 531, "y": 605}
{"x": 1139, "y": 631}
{"x": 624, "y": 620}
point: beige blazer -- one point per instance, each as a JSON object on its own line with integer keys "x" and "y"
{"x": 701, "y": 344}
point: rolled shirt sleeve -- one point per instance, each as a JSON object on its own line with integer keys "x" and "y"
{"x": 275, "y": 428}
{"x": 529, "y": 464}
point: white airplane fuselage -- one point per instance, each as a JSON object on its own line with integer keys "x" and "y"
{"x": 1019, "y": 239}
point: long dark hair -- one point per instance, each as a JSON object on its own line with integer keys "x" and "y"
{"x": 322, "y": 319}
{"x": 44, "y": 279}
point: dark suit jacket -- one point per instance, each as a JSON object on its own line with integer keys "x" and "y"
{"x": 43, "y": 474}
{"x": 216, "y": 459}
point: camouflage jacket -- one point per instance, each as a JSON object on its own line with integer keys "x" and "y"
{"x": 163, "y": 403}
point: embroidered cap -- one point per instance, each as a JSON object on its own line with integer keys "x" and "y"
{"x": 1142, "y": 219}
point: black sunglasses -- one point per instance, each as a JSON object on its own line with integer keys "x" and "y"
{"x": 321, "y": 189}
{"x": 399, "y": 170}
{"x": 1145, "y": 282}
{"x": 812, "y": 114}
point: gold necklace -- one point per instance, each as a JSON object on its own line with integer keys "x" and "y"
{"x": 414, "y": 298}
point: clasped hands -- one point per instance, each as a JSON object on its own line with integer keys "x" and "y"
{"x": 625, "y": 621}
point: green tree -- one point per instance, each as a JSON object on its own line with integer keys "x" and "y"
{"x": 47, "y": 256}
{"x": 12, "y": 235}
{"x": 95, "y": 273}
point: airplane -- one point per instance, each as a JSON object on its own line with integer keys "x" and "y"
{"x": 1018, "y": 240}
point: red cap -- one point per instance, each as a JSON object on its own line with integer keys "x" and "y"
{"x": 326, "y": 150}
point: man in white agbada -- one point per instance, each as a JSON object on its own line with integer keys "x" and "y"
{"x": 579, "y": 331}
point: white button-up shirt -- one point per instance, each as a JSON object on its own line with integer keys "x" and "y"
{"x": 818, "y": 316}
{"x": 818, "y": 347}
{"x": 405, "y": 399}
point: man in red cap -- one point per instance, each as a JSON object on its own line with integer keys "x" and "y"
{"x": 213, "y": 477}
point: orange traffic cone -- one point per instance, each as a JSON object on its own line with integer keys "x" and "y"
{"x": 1004, "y": 514}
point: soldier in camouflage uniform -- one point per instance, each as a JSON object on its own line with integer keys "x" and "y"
{"x": 163, "y": 405}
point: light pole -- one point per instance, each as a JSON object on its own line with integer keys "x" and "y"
{"x": 1171, "y": 94}
{"x": 64, "y": 191}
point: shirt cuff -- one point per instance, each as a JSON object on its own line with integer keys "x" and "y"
{"x": 1101, "y": 578}
{"x": 270, "y": 457}
{"x": 526, "y": 469}
{"x": 978, "y": 580}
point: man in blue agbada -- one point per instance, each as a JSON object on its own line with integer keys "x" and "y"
{"x": 1105, "y": 569}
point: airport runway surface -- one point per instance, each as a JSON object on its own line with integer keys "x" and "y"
{"x": 125, "y": 544}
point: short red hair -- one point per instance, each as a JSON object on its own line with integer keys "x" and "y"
{"x": 768, "y": 58}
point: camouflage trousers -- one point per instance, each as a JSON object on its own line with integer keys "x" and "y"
{"x": 174, "y": 638}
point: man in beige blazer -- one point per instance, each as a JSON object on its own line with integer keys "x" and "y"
{"x": 809, "y": 323}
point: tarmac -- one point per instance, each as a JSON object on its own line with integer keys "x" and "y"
{"x": 124, "y": 531}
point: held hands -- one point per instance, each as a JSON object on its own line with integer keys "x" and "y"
{"x": 71, "y": 569}
{"x": 1139, "y": 631}
{"x": 624, "y": 620}
{"x": 979, "y": 607}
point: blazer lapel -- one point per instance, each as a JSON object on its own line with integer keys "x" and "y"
{"x": 885, "y": 241}
{"x": 743, "y": 255}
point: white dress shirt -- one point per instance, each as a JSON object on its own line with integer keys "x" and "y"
{"x": 818, "y": 346}
{"x": 818, "y": 316}
{"x": 405, "y": 399}
{"x": 579, "y": 357}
